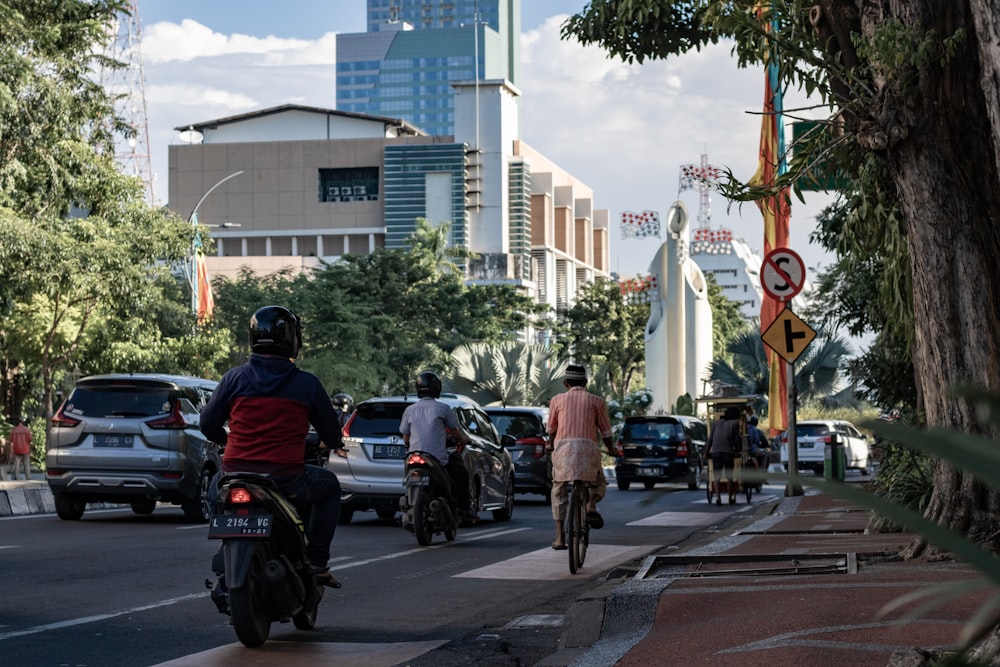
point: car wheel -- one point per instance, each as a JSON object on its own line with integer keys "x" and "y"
{"x": 474, "y": 502}
{"x": 144, "y": 506}
{"x": 507, "y": 511}
{"x": 694, "y": 481}
{"x": 623, "y": 484}
{"x": 198, "y": 509}
{"x": 346, "y": 514}
{"x": 69, "y": 508}
{"x": 867, "y": 467}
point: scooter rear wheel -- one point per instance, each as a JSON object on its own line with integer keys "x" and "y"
{"x": 422, "y": 518}
{"x": 248, "y": 604}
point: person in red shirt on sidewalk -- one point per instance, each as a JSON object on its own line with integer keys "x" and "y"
{"x": 20, "y": 440}
{"x": 578, "y": 420}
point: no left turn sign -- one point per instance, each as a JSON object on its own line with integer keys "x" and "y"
{"x": 782, "y": 274}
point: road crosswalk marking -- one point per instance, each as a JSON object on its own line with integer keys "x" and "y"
{"x": 679, "y": 519}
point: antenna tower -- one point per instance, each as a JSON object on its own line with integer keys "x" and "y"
{"x": 700, "y": 177}
{"x": 128, "y": 86}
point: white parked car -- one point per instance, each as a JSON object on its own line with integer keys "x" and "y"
{"x": 813, "y": 437}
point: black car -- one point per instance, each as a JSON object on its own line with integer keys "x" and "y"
{"x": 371, "y": 477}
{"x": 532, "y": 467}
{"x": 660, "y": 448}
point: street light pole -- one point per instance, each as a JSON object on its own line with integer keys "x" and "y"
{"x": 193, "y": 219}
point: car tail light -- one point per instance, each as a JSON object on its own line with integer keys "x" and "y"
{"x": 535, "y": 443}
{"x": 346, "y": 431}
{"x": 239, "y": 496}
{"x": 621, "y": 447}
{"x": 60, "y": 419}
{"x": 174, "y": 420}
{"x": 682, "y": 448}
{"x": 416, "y": 459}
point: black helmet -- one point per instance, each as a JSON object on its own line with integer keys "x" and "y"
{"x": 428, "y": 384}
{"x": 343, "y": 402}
{"x": 276, "y": 330}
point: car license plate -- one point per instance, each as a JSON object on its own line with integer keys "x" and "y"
{"x": 649, "y": 472}
{"x": 806, "y": 445}
{"x": 112, "y": 440}
{"x": 389, "y": 451}
{"x": 247, "y": 525}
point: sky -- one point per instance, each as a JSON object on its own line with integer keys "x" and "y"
{"x": 623, "y": 130}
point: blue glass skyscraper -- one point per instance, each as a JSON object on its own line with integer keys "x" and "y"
{"x": 403, "y": 66}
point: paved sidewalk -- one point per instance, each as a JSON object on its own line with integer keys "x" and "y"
{"x": 800, "y": 586}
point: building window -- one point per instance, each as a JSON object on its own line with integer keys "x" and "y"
{"x": 353, "y": 184}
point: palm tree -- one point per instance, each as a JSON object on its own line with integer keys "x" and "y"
{"x": 510, "y": 373}
{"x": 817, "y": 371}
{"x": 432, "y": 240}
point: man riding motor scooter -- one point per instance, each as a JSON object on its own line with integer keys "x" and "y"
{"x": 269, "y": 403}
{"x": 425, "y": 427}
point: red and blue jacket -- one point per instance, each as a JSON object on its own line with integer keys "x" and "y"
{"x": 269, "y": 403}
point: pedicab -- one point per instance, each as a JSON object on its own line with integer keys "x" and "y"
{"x": 740, "y": 479}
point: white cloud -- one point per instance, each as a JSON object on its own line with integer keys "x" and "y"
{"x": 168, "y": 42}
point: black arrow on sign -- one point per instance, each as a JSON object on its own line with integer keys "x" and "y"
{"x": 790, "y": 336}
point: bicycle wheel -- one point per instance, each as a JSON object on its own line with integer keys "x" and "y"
{"x": 576, "y": 528}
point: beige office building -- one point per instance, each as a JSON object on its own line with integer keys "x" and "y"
{"x": 293, "y": 185}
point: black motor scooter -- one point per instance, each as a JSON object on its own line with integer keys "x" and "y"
{"x": 426, "y": 506}
{"x": 262, "y": 569}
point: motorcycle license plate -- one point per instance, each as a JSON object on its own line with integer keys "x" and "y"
{"x": 418, "y": 481}
{"x": 250, "y": 525}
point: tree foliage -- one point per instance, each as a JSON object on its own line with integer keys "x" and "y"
{"x": 511, "y": 373}
{"x": 728, "y": 320}
{"x": 608, "y": 333}
{"x": 82, "y": 254}
{"x": 372, "y": 322}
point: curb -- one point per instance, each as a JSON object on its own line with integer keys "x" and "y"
{"x": 30, "y": 498}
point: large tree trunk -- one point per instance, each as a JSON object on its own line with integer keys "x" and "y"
{"x": 941, "y": 132}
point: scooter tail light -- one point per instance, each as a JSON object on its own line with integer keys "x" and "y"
{"x": 416, "y": 459}
{"x": 239, "y": 496}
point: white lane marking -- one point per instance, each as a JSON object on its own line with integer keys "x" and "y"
{"x": 98, "y": 617}
{"x": 10, "y": 546}
{"x": 398, "y": 554}
{"x": 550, "y": 565}
{"x": 305, "y": 654}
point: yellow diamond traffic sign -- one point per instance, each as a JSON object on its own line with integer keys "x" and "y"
{"x": 788, "y": 335}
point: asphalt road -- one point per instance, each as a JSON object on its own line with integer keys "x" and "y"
{"x": 120, "y": 589}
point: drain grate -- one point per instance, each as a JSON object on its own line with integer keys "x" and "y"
{"x": 739, "y": 565}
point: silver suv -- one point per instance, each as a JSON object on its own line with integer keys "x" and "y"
{"x": 371, "y": 477}
{"x": 132, "y": 438}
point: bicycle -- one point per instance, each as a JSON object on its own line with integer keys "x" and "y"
{"x": 575, "y": 526}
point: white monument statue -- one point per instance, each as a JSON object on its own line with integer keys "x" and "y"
{"x": 679, "y": 330}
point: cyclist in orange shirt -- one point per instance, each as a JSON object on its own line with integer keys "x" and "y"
{"x": 578, "y": 421}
